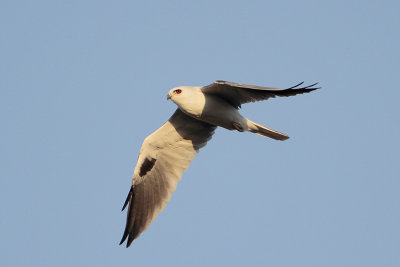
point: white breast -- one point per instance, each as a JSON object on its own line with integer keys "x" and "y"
{"x": 192, "y": 103}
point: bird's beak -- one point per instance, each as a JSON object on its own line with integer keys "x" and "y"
{"x": 168, "y": 97}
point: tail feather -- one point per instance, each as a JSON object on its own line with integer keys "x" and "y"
{"x": 265, "y": 131}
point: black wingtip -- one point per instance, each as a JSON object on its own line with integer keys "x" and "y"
{"x": 128, "y": 198}
{"x": 297, "y": 85}
{"x": 131, "y": 237}
{"x": 308, "y": 87}
{"x": 127, "y": 232}
{"x": 126, "y": 235}
{"x": 127, "y": 243}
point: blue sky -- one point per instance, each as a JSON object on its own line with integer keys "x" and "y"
{"x": 84, "y": 82}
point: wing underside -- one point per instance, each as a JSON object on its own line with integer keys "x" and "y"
{"x": 164, "y": 156}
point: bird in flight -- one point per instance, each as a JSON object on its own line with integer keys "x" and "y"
{"x": 167, "y": 153}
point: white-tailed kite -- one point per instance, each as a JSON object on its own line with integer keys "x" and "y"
{"x": 167, "y": 153}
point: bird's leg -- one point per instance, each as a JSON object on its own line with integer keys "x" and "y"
{"x": 237, "y": 126}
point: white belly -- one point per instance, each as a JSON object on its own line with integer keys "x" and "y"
{"x": 221, "y": 113}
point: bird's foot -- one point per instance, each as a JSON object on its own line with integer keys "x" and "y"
{"x": 238, "y": 127}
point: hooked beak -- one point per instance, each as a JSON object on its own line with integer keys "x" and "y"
{"x": 168, "y": 96}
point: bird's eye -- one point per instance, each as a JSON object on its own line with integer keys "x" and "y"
{"x": 178, "y": 91}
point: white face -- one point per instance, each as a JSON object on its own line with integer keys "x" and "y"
{"x": 190, "y": 99}
{"x": 181, "y": 92}
{"x": 174, "y": 92}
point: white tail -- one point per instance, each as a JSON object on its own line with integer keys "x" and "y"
{"x": 265, "y": 131}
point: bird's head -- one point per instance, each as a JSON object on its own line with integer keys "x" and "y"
{"x": 190, "y": 99}
{"x": 174, "y": 93}
{"x": 183, "y": 93}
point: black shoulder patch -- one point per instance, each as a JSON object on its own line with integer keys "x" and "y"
{"x": 147, "y": 165}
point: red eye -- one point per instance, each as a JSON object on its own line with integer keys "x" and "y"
{"x": 178, "y": 91}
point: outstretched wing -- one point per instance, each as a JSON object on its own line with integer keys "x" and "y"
{"x": 238, "y": 93}
{"x": 164, "y": 156}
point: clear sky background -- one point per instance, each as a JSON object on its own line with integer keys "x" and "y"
{"x": 84, "y": 82}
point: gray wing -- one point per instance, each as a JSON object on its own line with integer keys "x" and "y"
{"x": 164, "y": 156}
{"x": 238, "y": 93}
